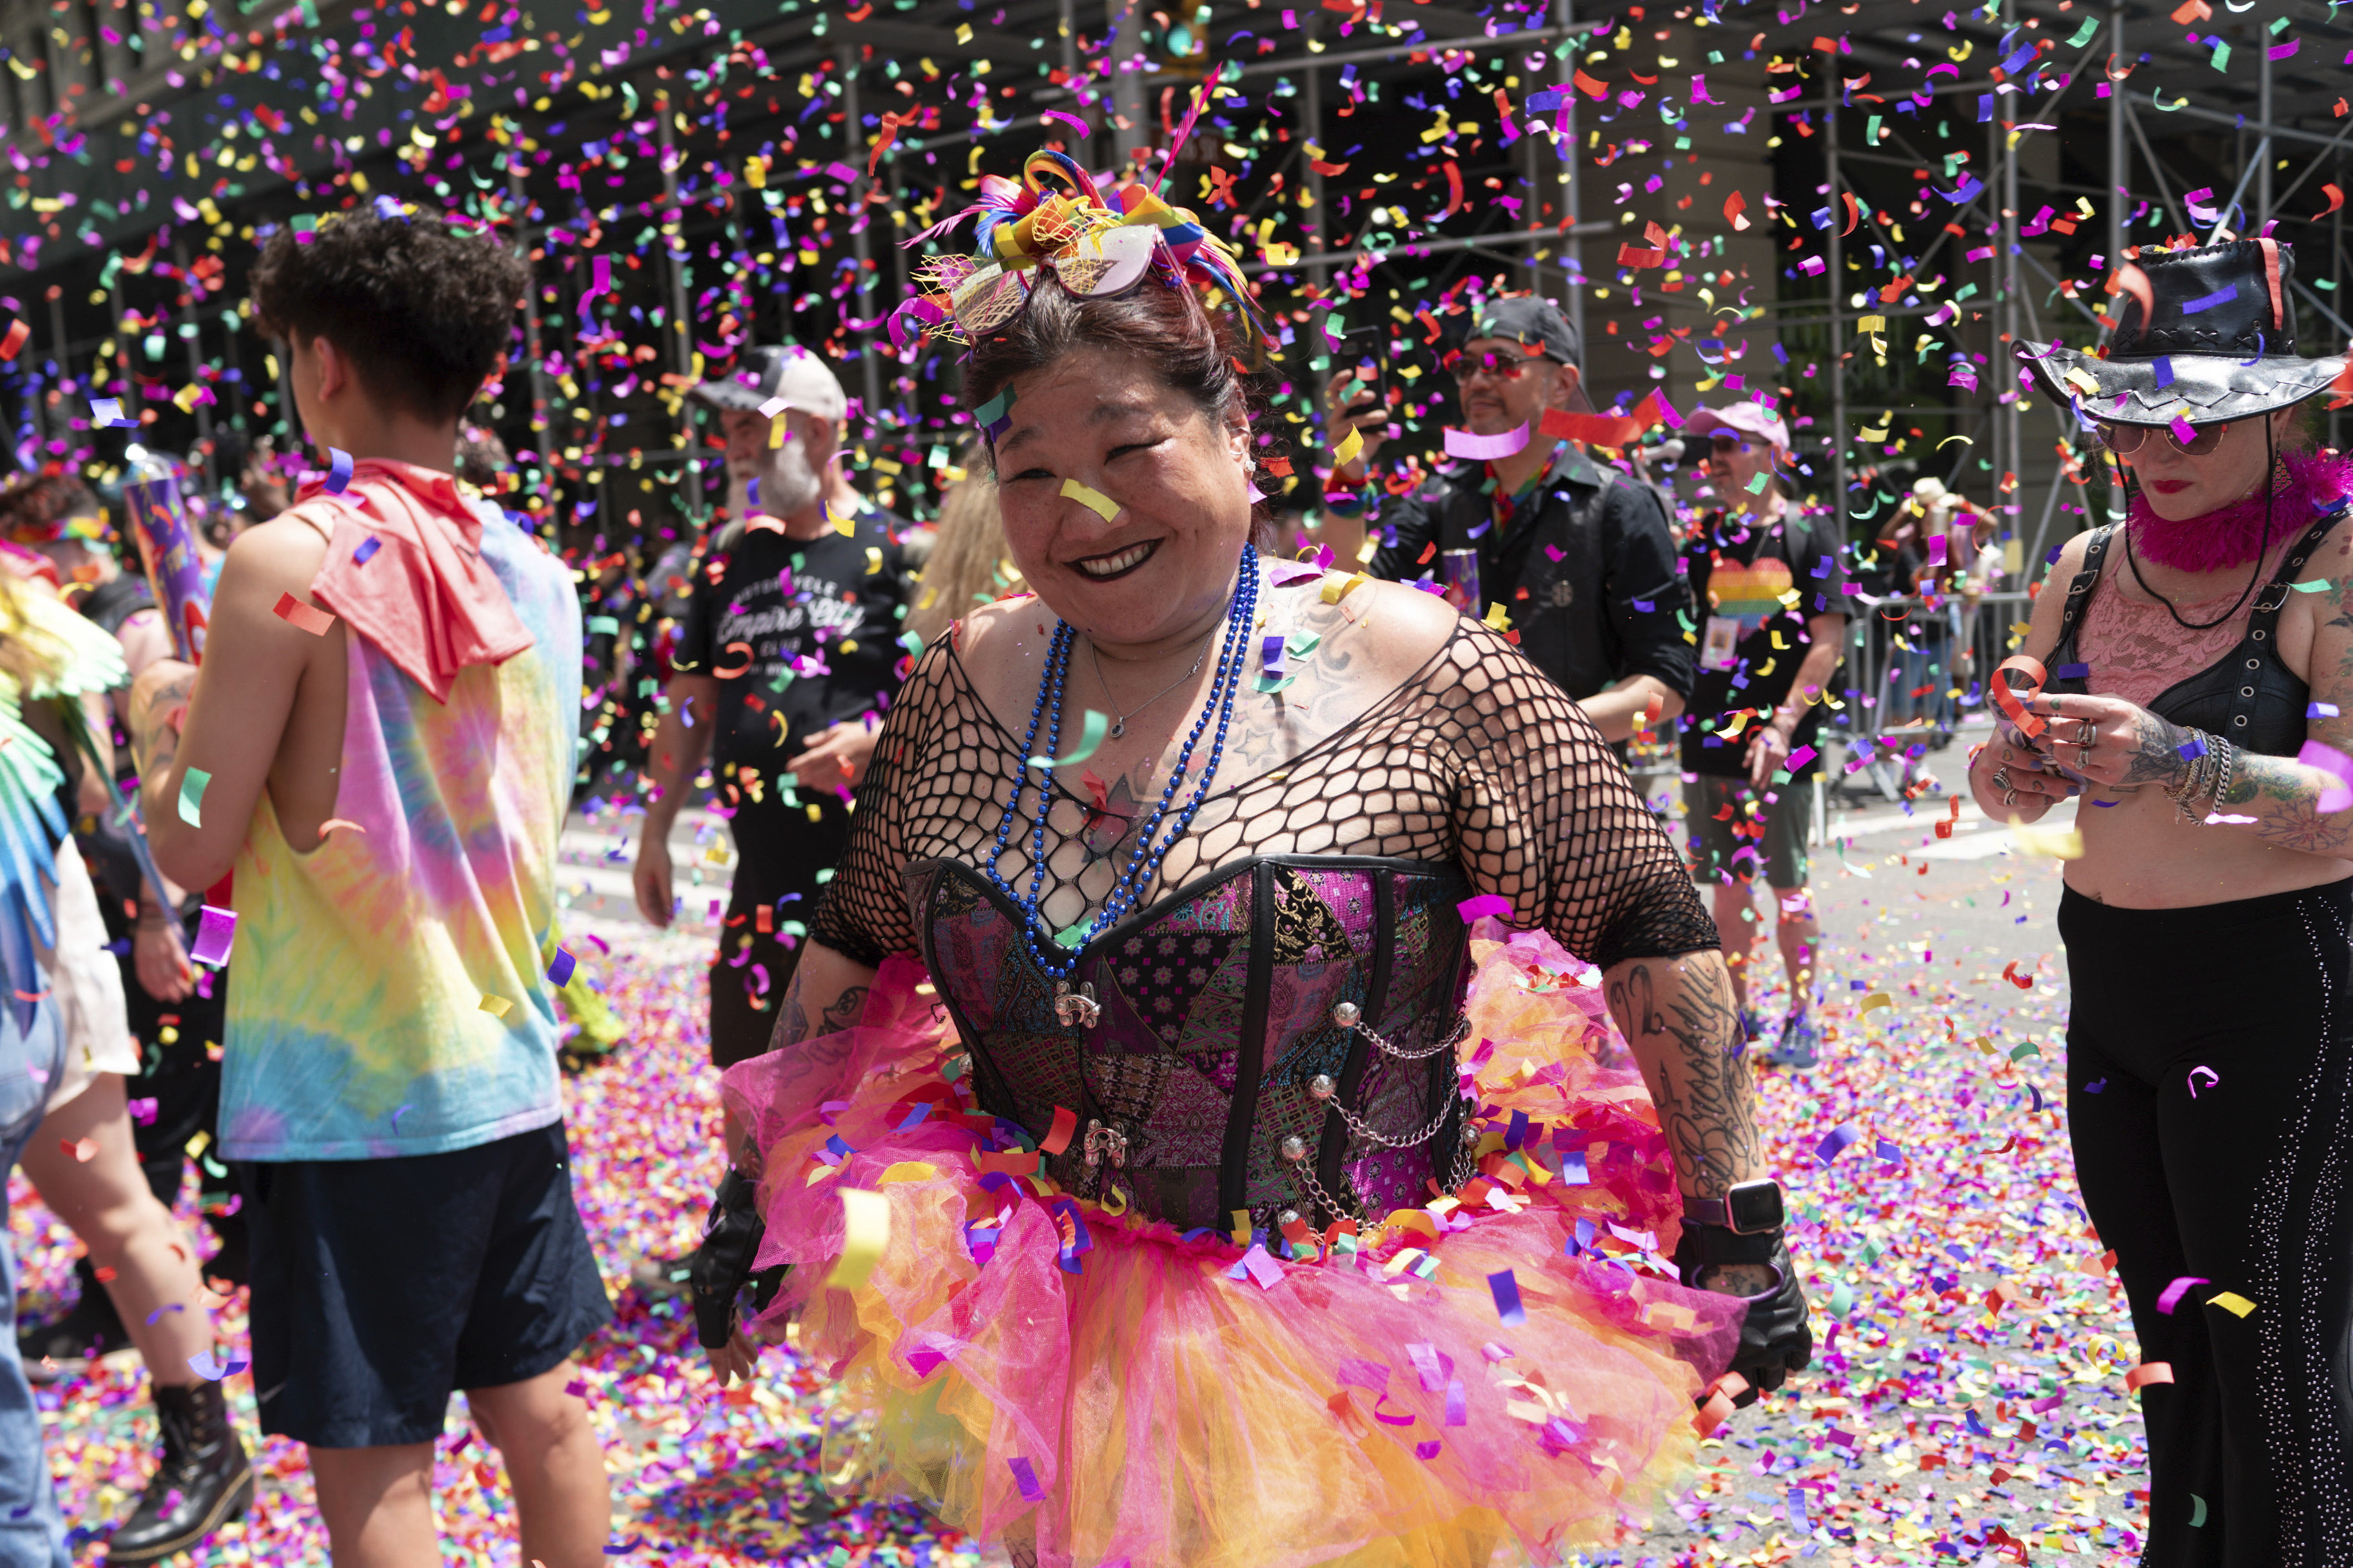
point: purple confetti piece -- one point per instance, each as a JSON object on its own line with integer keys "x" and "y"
{"x": 2095, "y": 1086}
{"x": 1026, "y": 1476}
{"x": 1834, "y": 1143}
{"x": 2321, "y": 710}
{"x": 1573, "y": 1170}
{"x": 211, "y": 1371}
{"x": 216, "y": 929}
{"x": 2072, "y": 672}
{"x": 2213, "y": 1077}
{"x": 1427, "y": 1450}
{"x": 339, "y": 471}
{"x": 559, "y": 972}
{"x": 2210, "y": 301}
{"x": 1432, "y": 1366}
{"x": 1507, "y": 1296}
{"x": 1494, "y": 904}
{"x": 366, "y": 551}
{"x": 2163, "y": 366}
{"x": 1458, "y": 1404}
{"x": 1263, "y": 1269}
{"x": 2173, "y": 1294}
{"x": 1799, "y": 758}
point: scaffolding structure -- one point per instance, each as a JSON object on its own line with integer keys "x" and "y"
{"x": 1979, "y": 192}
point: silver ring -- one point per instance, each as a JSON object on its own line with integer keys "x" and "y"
{"x": 2088, "y": 733}
{"x": 2001, "y": 779}
{"x": 2010, "y": 799}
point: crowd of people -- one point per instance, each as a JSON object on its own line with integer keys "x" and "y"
{"x": 1143, "y": 1085}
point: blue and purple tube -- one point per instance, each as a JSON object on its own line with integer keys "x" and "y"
{"x": 167, "y": 547}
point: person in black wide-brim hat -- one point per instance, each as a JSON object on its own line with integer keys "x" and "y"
{"x": 2209, "y": 917}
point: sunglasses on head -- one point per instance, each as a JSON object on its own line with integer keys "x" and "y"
{"x": 1463, "y": 366}
{"x": 2124, "y": 440}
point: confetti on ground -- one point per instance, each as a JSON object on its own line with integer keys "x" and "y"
{"x": 1968, "y": 1390}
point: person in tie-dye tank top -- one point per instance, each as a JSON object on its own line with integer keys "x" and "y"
{"x": 371, "y": 770}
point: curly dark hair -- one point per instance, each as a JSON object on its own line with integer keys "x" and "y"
{"x": 1193, "y": 348}
{"x": 422, "y": 312}
{"x": 34, "y": 506}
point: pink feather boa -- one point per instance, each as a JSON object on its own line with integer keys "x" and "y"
{"x": 2233, "y": 535}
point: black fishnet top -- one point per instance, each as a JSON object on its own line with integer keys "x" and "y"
{"x": 1477, "y": 760}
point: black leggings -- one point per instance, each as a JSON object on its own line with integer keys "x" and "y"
{"x": 2209, "y": 1087}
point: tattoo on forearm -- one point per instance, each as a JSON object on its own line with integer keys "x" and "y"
{"x": 2274, "y": 792}
{"x": 2157, "y": 752}
{"x": 1702, "y": 1087}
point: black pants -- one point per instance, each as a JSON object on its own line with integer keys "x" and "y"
{"x": 2210, "y": 1087}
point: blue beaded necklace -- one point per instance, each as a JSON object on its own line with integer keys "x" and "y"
{"x": 1057, "y": 954}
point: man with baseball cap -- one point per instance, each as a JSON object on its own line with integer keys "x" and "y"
{"x": 787, "y": 654}
{"x": 1769, "y": 592}
{"x": 1580, "y": 556}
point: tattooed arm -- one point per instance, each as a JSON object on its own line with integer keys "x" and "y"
{"x": 826, "y": 996}
{"x": 1679, "y": 1015}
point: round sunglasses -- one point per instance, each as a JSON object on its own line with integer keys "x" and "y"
{"x": 1463, "y": 366}
{"x": 2124, "y": 440}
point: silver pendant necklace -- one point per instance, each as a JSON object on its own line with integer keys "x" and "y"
{"x": 1119, "y": 719}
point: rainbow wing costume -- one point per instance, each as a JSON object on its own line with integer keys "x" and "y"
{"x": 77, "y": 659}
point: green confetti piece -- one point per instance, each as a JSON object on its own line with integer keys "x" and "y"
{"x": 192, "y": 796}
{"x": 1301, "y": 644}
{"x": 2024, "y": 1051}
{"x": 2317, "y": 586}
{"x": 1071, "y": 936}
{"x": 1097, "y": 726}
{"x": 2084, "y": 34}
{"x": 1268, "y": 683}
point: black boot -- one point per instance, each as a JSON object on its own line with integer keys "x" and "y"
{"x": 201, "y": 1482}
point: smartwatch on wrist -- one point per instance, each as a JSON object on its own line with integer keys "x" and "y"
{"x": 1749, "y": 1208}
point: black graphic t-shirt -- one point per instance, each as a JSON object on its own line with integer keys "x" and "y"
{"x": 1753, "y": 588}
{"x": 801, "y": 634}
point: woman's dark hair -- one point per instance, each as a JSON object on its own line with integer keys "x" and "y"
{"x": 422, "y": 312}
{"x": 1191, "y": 347}
{"x": 39, "y": 502}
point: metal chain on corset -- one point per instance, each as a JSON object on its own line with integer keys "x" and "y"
{"x": 1348, "y": 1016}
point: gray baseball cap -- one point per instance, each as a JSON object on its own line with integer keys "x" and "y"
{"x": 766, "y": 375}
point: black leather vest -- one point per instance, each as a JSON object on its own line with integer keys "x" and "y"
{"x": 2249, "y": 696}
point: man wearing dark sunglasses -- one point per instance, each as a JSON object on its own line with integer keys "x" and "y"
{"x": 1580, "y": 557}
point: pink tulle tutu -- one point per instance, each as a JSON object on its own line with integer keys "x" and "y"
{"x": 1514, "y": 1364}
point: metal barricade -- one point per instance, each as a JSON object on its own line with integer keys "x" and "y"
{"x": 1914, "y": 678}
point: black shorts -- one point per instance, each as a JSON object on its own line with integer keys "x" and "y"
{"x": 380, "y": 1286}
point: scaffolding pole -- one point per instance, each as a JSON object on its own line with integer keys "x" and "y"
{"x": 1837, "y": 315}
{"x": 674, "y": 242}
{"x": 861, "y": 247}
{"x": 520, "y": 199}
{"x": 2004, "y": 369}
{"x": 1572, "y": 247}
{"x": 190, "y": 292}
{"x": 2264, "y": 149}
{"x": 1318, "y": 260}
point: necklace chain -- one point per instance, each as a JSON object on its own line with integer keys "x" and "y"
{"x": 1119, "y": 719}
{"x": 1057, "y": 954}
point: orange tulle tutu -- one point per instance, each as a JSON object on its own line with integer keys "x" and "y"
{"x": 1512, "y": 1366}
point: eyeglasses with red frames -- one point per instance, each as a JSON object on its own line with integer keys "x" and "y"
{"x": 2124, "y": 440}
{"x": 1463, "y": 366}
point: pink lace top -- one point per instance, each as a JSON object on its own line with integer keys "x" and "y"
{"x": 2135, "y": 648}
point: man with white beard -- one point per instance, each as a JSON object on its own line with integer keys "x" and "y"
{"x": 787, "y": 655}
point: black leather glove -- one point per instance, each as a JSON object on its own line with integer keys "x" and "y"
{"x": 722, "y": 1265}
{"x": 1775, "y": 1340}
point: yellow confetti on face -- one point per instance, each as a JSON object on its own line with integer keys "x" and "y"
{"x": 1094, "y": 501}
